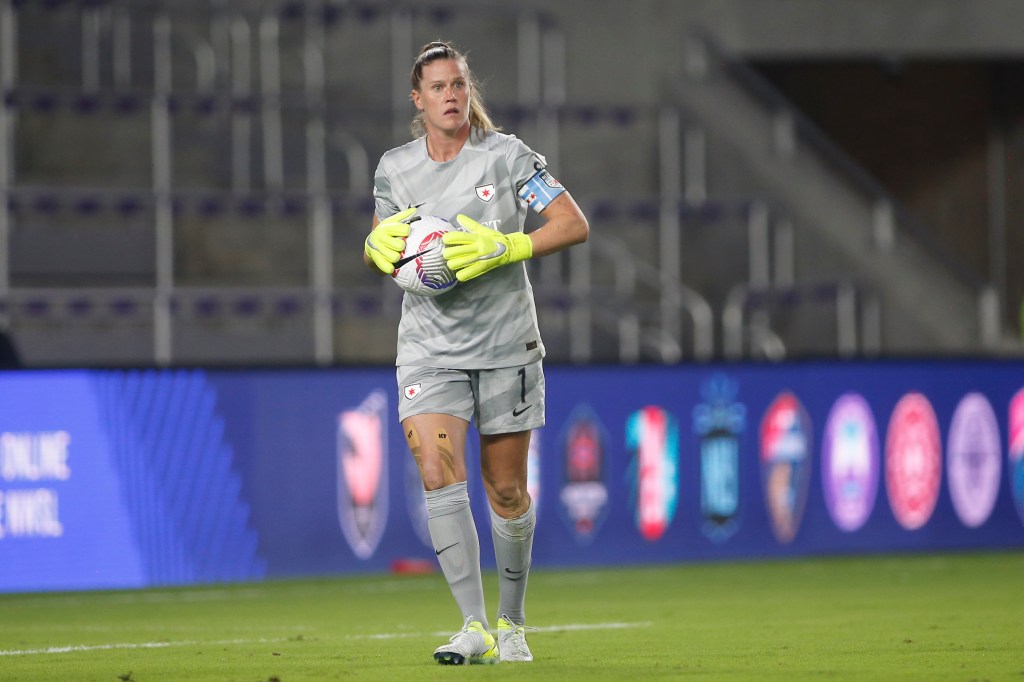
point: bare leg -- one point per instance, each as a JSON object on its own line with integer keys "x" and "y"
{"x": 438, "y": 443}
{"x": 503, "y": 464}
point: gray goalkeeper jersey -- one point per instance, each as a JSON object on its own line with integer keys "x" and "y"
{"x": 490, "y": 321}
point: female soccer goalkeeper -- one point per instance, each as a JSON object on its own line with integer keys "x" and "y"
{"x": 474, "y": 352}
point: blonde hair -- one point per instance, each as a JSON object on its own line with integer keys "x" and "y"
{"x": 479, "y": 119}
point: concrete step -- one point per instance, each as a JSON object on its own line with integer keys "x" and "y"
{"x": 920, "y": 294}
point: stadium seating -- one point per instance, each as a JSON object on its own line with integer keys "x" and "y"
{"x": 187, "y": 183}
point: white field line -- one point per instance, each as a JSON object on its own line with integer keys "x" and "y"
{"x": 76, "y": 648}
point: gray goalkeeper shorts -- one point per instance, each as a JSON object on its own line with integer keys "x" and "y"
{"x": 505, "y": 400}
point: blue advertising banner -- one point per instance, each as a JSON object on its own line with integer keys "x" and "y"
{"x": 117, "y": 479}
{"x": 122, "y": 478}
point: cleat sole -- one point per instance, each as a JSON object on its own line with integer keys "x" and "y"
{"x": 449, "y": 658}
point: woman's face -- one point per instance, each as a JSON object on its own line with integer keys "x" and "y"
{"x": 443, "y": 95}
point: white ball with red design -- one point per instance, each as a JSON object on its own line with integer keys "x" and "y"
{"x": 421, "y": 269}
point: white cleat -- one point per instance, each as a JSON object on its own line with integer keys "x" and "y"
{"x": 471, "y": 644}
{"x": 512, "y": 647}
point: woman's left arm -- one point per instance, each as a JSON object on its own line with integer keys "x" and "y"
{"x": 564, "y": 225}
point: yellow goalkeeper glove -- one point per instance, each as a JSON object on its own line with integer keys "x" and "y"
{"x": 385, "y": 243}
{"x": 481, "y": 249}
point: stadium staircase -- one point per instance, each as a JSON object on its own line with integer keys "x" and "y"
{"x": 189, "y": 184}
{"x": 837, "y": 238}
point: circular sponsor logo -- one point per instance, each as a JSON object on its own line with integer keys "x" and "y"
{"x": 973, "y": 460}
{"x": 850, "y": 462}
{"x": 1015, "y": 453}
{"x": 785, "y": 463}
{"x": 913, "y": 461}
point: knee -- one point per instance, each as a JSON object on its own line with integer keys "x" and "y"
{"x": 434, "y": 475}
{"x": 509, "y": 497}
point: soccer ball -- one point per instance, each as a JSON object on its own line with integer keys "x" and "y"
{"x": 421, "y": 269}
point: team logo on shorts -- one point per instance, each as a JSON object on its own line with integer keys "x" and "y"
{"x": 652, "y": 436}
{"x": 785, "y": 464}
{"x": 718, "y": 423}
{"x": 584, "y": 494}
{"x": 485, "y": 192}
{"x": 412, "y": 390}
{"x": 850, "y": 462}
{"x": 363, "y": 474}
{"x": 1015, "y": 453}
{"x": 974, "y": 460}
{"x": 913, "y": 461}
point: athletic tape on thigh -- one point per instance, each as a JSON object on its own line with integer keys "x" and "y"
{"x": 413, "y": 439}
{"x": 444, "y": 449}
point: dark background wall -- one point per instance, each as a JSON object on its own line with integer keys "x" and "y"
{"x": 914, "y": 90}
{"x": 925, "y": 128}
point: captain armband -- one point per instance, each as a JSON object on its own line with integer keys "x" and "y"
{"x": 540, "y": 190}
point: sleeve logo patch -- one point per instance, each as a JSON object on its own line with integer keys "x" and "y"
{"x": 485, "y": 192}
{"x": 550, "y": 180}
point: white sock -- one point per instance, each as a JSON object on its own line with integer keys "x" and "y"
{"x": 457, "y": 546}
{"x": 513, "y": 551}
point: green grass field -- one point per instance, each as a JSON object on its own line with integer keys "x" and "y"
{"x": 922, "y": 617}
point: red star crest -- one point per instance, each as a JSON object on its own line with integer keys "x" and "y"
{"x": 485, "y": 192}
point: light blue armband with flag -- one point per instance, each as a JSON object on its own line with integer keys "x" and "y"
{"x": 540, "y": 190}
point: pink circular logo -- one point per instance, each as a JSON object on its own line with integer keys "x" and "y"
{"x": 913, "y": 461}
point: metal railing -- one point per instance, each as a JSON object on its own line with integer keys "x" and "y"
{"x": 747, "y": 321}
{"x": 791, "y": 127}
{"x": 223, "y": 61}
{"x": 237, "y": 71}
